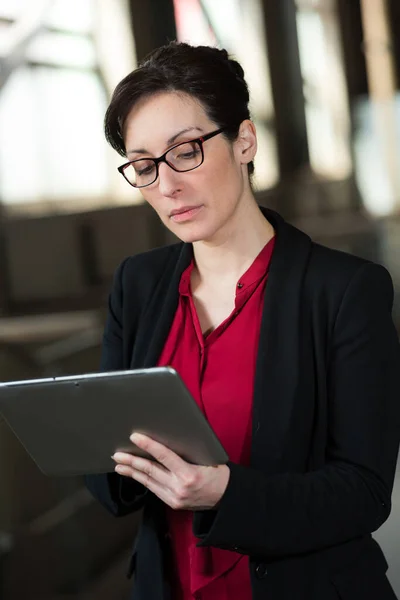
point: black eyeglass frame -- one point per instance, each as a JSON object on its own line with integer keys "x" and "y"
{"x": 200, "y": 140}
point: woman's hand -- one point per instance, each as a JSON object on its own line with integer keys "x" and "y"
{"x": 179, "y": 484}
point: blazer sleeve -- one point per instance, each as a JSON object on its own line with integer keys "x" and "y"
{"x": 350, "y": 496}
{"x": 118, "y": 494}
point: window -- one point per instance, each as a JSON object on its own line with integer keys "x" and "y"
{"x": 327, "y": 111}
{"x": 53, "y": 155}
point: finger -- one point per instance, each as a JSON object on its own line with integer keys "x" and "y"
{"x": 141, "y": 464}
{"x": 140, "y": 476}
{"x": 123, "y": 458}
{"x": 153, "y": 470}
{"x": 124, "y": 470}
{"x": 161, "y": 453}
{"x": 162, "y": 492}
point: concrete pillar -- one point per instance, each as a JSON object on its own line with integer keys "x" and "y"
{"x": 153, "y": 24}
{"x": 287, "y": 84}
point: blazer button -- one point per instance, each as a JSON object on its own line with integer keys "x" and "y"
{"x": 261, "y": 571}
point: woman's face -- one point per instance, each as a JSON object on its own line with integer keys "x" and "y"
{"x": 197, "y": 205}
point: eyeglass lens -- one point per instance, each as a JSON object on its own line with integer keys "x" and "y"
{"x": 184, "y": 157}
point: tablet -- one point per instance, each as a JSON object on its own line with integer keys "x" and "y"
{"x": 73, "y": 425}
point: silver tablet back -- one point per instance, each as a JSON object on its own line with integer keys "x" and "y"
{"x": 73, "y": 425}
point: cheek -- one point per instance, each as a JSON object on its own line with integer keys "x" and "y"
{"x": 222, "y": 173}
{"x": 224, "y": 183}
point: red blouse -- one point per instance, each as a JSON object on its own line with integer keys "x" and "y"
{"x": 219, "y": 372}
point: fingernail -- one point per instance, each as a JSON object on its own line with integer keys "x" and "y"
{"x": 135, "y": 437}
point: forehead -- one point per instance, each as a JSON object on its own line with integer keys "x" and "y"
{"x": 155, "y": 119}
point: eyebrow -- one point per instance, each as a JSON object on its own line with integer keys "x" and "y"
{"x": 171, "y": 140}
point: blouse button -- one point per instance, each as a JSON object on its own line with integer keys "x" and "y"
{"x": 261, "y": 571}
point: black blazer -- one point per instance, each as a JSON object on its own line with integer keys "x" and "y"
{"x": 326, "y": 423}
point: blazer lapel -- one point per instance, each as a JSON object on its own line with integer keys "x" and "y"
{"x": 158, "y": 317}
{"x": 278, "y": 359}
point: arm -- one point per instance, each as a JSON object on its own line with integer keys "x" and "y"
{"x": 119, "y": 495}
{"x": 273, "y": 516}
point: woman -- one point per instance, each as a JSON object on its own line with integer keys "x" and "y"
{"x": 288, "y": 347}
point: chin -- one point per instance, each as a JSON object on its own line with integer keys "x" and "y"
{"x": 191, "y": 233}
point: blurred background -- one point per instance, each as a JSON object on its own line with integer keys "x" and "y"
{"x": 324, "y": 80}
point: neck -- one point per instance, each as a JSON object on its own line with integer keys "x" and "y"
{"x": 233, "y": 250}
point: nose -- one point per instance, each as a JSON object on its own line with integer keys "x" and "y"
{"x": 168, "y": 180}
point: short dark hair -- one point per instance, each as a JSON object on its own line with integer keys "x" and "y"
{"x": 206, "y": 73}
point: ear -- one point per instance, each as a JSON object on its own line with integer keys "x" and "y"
{"x": 246, "y": 142}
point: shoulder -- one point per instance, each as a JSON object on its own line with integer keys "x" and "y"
{"x": 147, "y": 266}
{"x": 137, "y": 276}
{"x": 334, "y": 265}
{"x": 325, "y": 269}
{"x": 336, "y": 274}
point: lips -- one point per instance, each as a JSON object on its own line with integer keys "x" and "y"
{"x": 180, "y": 211}
{"x": 185, "y": 213}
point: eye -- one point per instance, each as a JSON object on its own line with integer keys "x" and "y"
{"x": 146, "y": 170}
{"x": 143, "y": 168}
{"x": 188, "y": 155}
{"x": 187, "y": 151}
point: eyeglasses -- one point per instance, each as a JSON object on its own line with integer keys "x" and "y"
{"x": 183, "y": 157}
